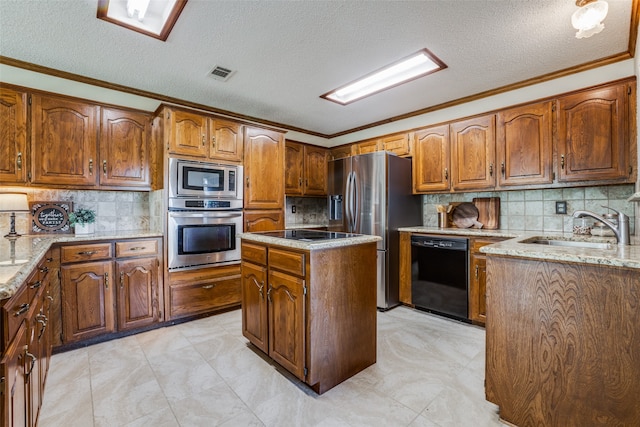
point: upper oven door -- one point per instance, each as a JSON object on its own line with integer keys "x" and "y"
{"x": 198, "y": 179}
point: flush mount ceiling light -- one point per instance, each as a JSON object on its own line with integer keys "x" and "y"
{"x": 154, "y": 18}
{"x": 409, "y": 68}
{"x": 588, "y": 19}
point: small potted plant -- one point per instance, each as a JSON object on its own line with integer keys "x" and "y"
{"x": 83, "y": 220}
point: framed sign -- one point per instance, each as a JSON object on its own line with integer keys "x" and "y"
{"x": 50, "y": 217}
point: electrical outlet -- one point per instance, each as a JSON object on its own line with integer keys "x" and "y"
{"x": 293, "y": 208}
{"x": 561, "y": 208}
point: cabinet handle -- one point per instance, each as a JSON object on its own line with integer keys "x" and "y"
{"x": 213, "y": 142}
{"x": 446, "y": 173}
{"x": 21, "y": 310}
{"x": 44, "y": 270}
{"x": 300, "y": 182}
{"x": 502, "y": 168}
{"x": 104, "y": 167}
{"x": 138, "y": 248}
{"x": 207, "y": 286}
{"x": 90, "y": 166}
{"x": 247, "y": 182}
{"x": 33, "y": 363}
{"x": 36, "y": 285}
{"x": 88, "y": 253}
{"x": 49, "y": 259}
{"x": 50, "y": 298}
{"x": 562, "y": 161}
{"x": 106, "y": 280}
{"x": 19, "y": 161}
{"x": 261, "y": 290}
{"x": 491, "y": 169}
{"x": 476, "y": 272}
{"x": 203, "y": 140}
{"x": 269, "y": 293}
{"x": 121, "y": 279}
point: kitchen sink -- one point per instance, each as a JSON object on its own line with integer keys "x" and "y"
{"x": 569, "y": 243}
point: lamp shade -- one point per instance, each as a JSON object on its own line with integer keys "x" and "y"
{"x": 588, "y": 19}
{"x": 14, "y": 202}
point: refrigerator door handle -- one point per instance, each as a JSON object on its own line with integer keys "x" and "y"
{"x": 347, "y": 203}
{"x": 356, "y": 208}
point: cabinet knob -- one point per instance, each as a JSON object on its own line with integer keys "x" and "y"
{"x": 19, "y": 161}
{"x": 122, "y": 280}
{"x": 203, "y": 140}
{"x": 213, "y": 142}
{"x": 562, "y": 161}
{"x": 491, "y": 169}
{"x": 106, "y": 280}
{"x": 90, "y": 166}
{"x": 104, "y": 167}
{"x": 446, "y": 173}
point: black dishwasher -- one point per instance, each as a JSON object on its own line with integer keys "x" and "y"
{"x": 440, "y": 275}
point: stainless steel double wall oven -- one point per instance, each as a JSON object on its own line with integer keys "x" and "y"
{"x": 205, "y": 213}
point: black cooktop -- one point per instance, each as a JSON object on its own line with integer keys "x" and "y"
{"x": 308, "y": 235}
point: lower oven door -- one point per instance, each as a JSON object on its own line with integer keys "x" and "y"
{"x": 204, "y": 237}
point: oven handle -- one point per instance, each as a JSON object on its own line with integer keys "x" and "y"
{"x": 216, "y": 214}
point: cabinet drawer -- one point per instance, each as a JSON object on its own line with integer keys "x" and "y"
{"x": 88, "y": 252}
{"x": 189, "y": 299}
{"x": 290, "y": 262}
{"x": 15, "y": 311}
{"x": 254, "y": 253}
{"x": 136, "y": 248}
{"x": 476, "y": 244}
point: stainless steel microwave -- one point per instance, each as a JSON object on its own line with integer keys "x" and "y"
{"x": 188, "y": 178}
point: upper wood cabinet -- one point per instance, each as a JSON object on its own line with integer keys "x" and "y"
{"x": 64, "y": 136}
{"x": 263, "y": 220}
{"x": 594, "y": 133}
{"x": 196, "y": 135}
{"x": 305, "y": 170}
{"x": 399, "y": 144}
{"x": 431, "y": 161}
{"x": 263, "y": 169}
{"x": 341, "y": 152}
{"x": 124, "y": 148}
{"x": 524, "y": 145}
{"x": 473, "y": 153}
{"x": 365, "y": 147}
{"x": 13, "y": 136}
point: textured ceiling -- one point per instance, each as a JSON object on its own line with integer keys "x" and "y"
{"x": 287, "y": 53}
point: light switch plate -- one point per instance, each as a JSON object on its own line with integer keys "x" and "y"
{"x": 561, "y": 207}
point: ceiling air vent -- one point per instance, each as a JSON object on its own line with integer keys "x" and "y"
{"x": 221, "y": 73}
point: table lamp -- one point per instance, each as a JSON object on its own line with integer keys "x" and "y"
{"x": 13, "y": 202}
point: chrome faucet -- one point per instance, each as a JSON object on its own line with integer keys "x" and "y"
{"x": 621, "y": 231}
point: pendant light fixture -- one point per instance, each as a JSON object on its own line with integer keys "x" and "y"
{"x": 588, "y": 19}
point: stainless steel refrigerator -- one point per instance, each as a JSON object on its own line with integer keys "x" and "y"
{"x": 371, "y": 194}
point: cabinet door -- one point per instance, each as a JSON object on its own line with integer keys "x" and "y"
{"x": 14, "y": 386}
{"x": 293, "y": 169}
{"x": 226, "y": 140}
{"x": 264, "y": 169}
{"x": 124, "y": 149}
{"x": 341, "y": 152}
{"x": 13, "y": 136}
{"x": 254, "y": 305}
{"x": 188, "y": 134}
{"x": 267, "y": 220}
{"x": 592, "y": 135}
{"x": 478, "y": 290}
{"x": 367, "y": 147}
{"x": 286, "y": 321}
{"x": 87, "y": 296}
{"x": 137, "y": 294}
{"x": 431, "y": 159}
{"x": 473, "y": 153}
{"x": 36, "y": 328}
{"x": 315, "y": 171}
{"x": 400, "y": 145}
{"x": 63, "y": 141}
{"x": 523, "y": 145}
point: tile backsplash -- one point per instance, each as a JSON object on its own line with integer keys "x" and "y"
{"x": 115, "y": 210}
{"x": 309, "y": 210}
{"x": 534, "y": 210}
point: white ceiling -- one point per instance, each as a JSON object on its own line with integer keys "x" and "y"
{"x": 287, "y": 53}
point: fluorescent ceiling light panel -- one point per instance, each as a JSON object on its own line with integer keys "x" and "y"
{"x": 154, "y": 18}
{"x": 410, "y": 68}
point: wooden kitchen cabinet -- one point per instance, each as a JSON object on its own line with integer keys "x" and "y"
{"x": 478, "y": 279}
{"x": 341, "y": 152}
{"x": 524, "y": 138}
{"x": 365, "y": 147}
{"x": 305, "y": 319}
{"x": 399, "y": 144}
{"x": 15, "y": 406}
{"x": 124, "y": 148}
{"x": 263, "y": 220}
{"x": 202, "y": 291}
{"x": 305, "y": 170}
{"x": 226, "y": 140}
{"x": 431, "y": 161}
{"x": 263, "y": 169}
{"x": 13, "y": 137}
{"x": 473, "y": 153}
{"x": 64, "y": 136}
{"x": 138, "y": 291}
{"x": 594, "y": 132}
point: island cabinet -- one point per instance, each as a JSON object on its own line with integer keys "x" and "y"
{"x": 305, "y": 170}
{"x": 563, "y": 342}
{"x": 26, "y": 345}
{"x": 312, "y": 311}
{"x": 594, "y": 134}
{"x": 13, "y": 138}
{"x": 108, "y": 287}
{"x": 478, "y": 279}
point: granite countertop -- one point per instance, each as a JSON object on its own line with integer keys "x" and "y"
{"x": 479, "y": 232}
{"x": 29, "y": 250}
{"x": 301, "y": 226}
{"x": 310, "y": 245}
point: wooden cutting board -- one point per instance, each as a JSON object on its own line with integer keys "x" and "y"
{"x": 465, "y": 215}
{"x": 488, "y": 211}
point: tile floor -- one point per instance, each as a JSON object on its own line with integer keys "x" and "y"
{"x": 429, "y": 373}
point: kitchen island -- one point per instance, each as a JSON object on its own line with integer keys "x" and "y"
{"x": 309, "y": 302}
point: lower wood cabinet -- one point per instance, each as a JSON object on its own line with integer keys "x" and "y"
{"x": 202, "y": 291}
{"x": 478, "y": 279}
